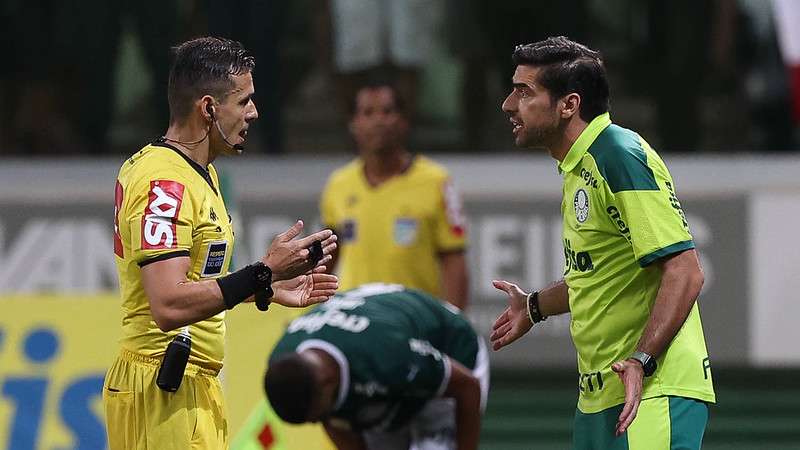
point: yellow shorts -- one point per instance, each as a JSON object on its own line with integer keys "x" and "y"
{"x": 141, "y": 416}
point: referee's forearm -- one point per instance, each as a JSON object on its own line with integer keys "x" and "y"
{"x": 186, "y": 303}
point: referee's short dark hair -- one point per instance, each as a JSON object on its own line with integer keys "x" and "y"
{"x": 204, "y": 66}
{"x": 290, "y": 386}
{"x": 566, "y": 67}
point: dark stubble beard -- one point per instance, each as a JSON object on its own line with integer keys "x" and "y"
{"x": 543, "y": 136}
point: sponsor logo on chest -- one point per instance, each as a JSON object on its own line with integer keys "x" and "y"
{"x": 405, "y": 231}
{"x": 347, "y": 231}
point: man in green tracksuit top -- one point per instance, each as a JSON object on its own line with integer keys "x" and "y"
{"x": 632, "y": 274}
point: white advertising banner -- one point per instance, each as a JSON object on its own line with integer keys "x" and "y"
{"x": 56, "y": 224}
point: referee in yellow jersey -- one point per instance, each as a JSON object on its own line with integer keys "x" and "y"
{"x": 398, "y": 216}
{"x": 173, "y": 241}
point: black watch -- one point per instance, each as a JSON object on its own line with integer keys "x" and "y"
{"x": 263, "y": 275}
{"x": 649, "y": 364}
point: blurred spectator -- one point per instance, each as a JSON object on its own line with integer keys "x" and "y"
{"x": 766, "y": 82}
{"x": 370, "y": 36}
{"x": 259, "y": 25}
{"x": 676, "y": 50}
{"x": 33, "y": 120}
{"x": 93, "y": 41}
{"x": 482, "y": 34}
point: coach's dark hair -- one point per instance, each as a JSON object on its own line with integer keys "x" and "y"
{"x": 204, "y": 66}
{"x": 566, "y": 67}
{"x": 377, "y": 83}
{"x": 290, "y": 386}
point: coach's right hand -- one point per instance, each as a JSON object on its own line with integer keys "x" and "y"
{"x": 288, "y": 257}
{"x": 514, "y": 321}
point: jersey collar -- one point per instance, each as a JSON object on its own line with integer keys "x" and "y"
{"x": 203, "y": 172}
{"x": 584, "y": 141}
{"x": 341, "y": 360}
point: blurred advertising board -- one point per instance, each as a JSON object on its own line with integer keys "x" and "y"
{"x": 59, "y": 313}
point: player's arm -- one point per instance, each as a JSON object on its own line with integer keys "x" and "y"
{"x": 345, "y": 439}
{"x": 515, "y": 321}
{"x": 450, "y": 240}
{"x": 465, "y": 389}
{"x": 681, "y": 281}
{"x": 455, "y": 281}
{"x": 554, "y": 299}
{"x": 175, "y": 301}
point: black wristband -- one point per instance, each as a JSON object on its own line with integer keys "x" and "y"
{"x": 236, "y": 287}
{"x": 533, "y": 308}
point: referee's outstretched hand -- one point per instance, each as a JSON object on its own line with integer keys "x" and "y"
{"x": 289, "y": 256}
{"x": 514, "y": 321}
{"x": 305, "y": 290}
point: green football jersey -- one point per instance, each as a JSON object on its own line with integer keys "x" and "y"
{"x": 620, "y": 214}
{"x": 390, "y": 343}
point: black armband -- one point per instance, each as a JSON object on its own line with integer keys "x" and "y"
{"x": 249, "y": 280}
{"x": 533, "y": 308}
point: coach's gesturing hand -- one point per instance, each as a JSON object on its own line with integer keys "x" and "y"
{"x": 288, "y": 257}
{"x": 514, "y": 321}
{"x": 631, "y": 374}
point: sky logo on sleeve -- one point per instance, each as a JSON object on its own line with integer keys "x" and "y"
{"x": 161, "y": 214}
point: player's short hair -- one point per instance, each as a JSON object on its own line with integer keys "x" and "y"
{"x": 377, "y": 83}
{"x": 290, "y": 386}
{"x": 204, "y": 66}
{"x": 566, "y": 67}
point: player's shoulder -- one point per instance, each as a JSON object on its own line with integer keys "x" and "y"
{"x": 346, "y": 174}
{"x": 623, "y": 158}
{"x": 153, "y": 162}
{"x": 427, "y": 168}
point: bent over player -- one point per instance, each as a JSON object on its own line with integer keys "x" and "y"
{"x": 382, "y": 367}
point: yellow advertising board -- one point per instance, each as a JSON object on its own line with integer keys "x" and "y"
{"x": 54, "y": 352}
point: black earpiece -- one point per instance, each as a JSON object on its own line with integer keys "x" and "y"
{"x": 210, "y": 111}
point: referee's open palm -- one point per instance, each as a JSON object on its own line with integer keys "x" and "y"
{"x": 514, "y": 321}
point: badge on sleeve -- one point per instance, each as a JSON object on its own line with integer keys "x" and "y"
{"x": 215, "y": 259}
{"x": 454, "y": 209}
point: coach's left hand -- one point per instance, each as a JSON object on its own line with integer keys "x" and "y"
{"x": 631, "y": 373}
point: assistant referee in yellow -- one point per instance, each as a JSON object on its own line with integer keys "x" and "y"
{"x": 398, "y": 215}
{"x": 173, "y": 241}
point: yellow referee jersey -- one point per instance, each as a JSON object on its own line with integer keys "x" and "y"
{"x": 167, "y": 205}
{"x": 393, "y": 233}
